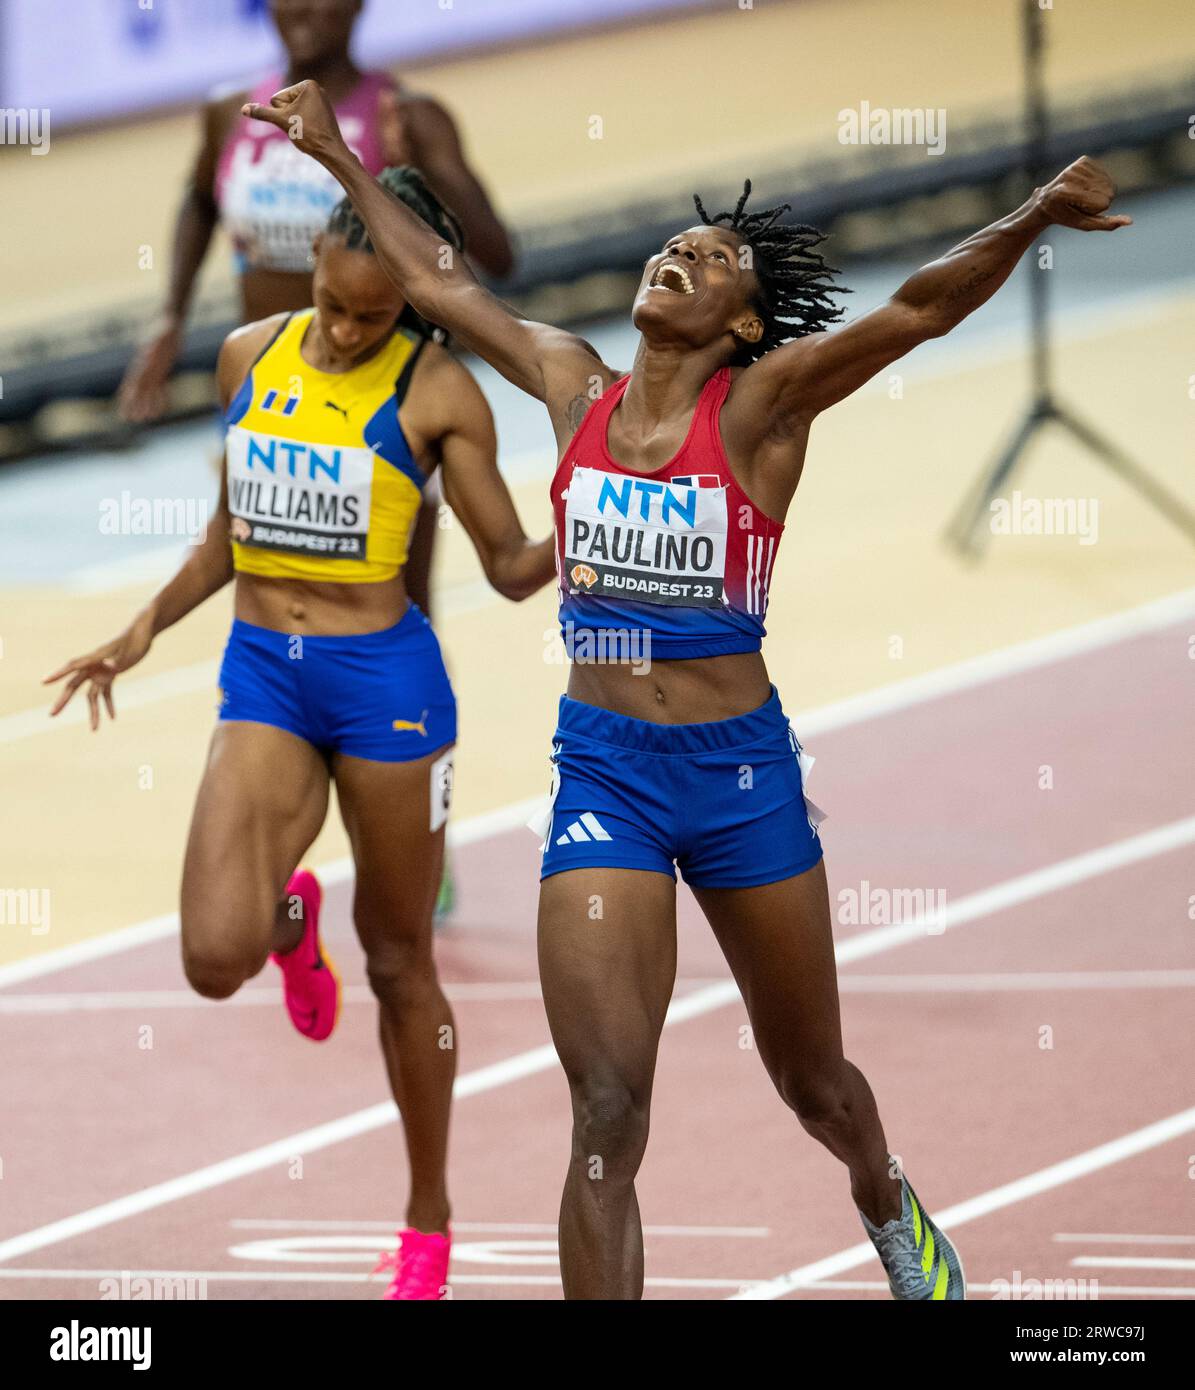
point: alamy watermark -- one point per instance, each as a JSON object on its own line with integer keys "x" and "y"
{"x": 866, "y": 906}
{"x": 26, "y": 907}
{"x": 26, "y": 125}
{"x": 159, "y": 1287}
{"x": 900, "y": 125}
{"x": 82, "y": 1342}
{"x": 1046, "y": 516}
{"x": 1018, "y": 1288}
{"x": 128, "y": 515}
{"x": 600, "y": 646}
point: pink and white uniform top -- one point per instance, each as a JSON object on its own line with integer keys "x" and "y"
{"x": 680, "y": 553}
{"x": 273, "y": 199}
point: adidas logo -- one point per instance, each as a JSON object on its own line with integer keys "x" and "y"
{"x": 587, "y": 828}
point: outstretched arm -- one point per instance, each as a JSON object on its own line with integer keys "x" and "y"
{"x": 553, "y": 366}
{"x": 206, "y": 569}
{"x": 790, "y": 385}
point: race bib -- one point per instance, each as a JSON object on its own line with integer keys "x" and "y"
{"x": 307, "y": 499}
{"x": 654, "y": 542}
{"x": 275, "y": 201}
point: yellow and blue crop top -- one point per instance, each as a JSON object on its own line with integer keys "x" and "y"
{"x": 322, "y": 484}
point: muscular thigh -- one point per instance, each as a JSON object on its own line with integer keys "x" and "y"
{"x": 607, "y": 955}
{"x": 261, "y": 802}
{"x": 778, "y": 942}
{"x": 389, "y": 811}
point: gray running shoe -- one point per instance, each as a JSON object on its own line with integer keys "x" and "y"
{"x": 919, "y": 1260}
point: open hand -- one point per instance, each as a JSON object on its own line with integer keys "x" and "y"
{"x": 100, "y": 668}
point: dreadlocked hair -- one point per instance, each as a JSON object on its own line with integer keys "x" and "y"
{"x": 795, "y": 283}
{"x": 408, "y": 186}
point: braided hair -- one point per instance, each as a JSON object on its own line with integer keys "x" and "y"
{"x": 408, "y": 186}
{"x": 795, "y": 283}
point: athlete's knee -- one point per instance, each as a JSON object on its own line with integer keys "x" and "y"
{"x": 218, "y": 962}
{"x": 217, "y": 970}
{"x": 817, "y": 1097}
{"x": 610, "y": 1123}
{"x": 402, "y": 974}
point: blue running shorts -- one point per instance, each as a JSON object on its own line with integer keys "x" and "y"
{"x": 384, "y": 695}
{"x": 723, "y": 801}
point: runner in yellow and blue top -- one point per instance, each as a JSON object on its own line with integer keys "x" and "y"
{"x": 322, "y": 487}
{"x": 336, "y": 416}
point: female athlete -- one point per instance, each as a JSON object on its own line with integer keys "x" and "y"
{"x": 670, "y": 497}
{"x": 273, "y": 203}
{"x": 336, "y": 417}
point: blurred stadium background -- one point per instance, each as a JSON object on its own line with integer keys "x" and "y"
{"x": 592, "y": 122}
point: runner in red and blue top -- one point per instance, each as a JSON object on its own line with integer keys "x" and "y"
{"x": 690, "y": 541}
{"x": 672, "y": 750}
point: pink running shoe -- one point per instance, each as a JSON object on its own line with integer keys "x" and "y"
{"x": 420, "y": 1265}
{"x": 310, "y": 984}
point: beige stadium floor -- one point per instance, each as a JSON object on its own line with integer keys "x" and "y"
{"x": 863, "y": 563}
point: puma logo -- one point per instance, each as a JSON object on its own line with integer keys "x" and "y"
{"x": 342, "y": 409}
{"x": 418, "y": 726}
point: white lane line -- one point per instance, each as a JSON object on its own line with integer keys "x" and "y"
{"x": 488, "y": 1078}
{"x": 1014, "y": 891}
{"x": 273, "y": 1276}
{"x": 466, "y": 596}
{"x": 1032, "y": 1185}
{"x": 1122, "y": 1238}
{"x": 137, "y": 999}
{"x": 1052, "y": 980}
{"x": 518, "y": 991}
{"x": 1131, "y": 1262}
{"x": 93, "y": 948}
{"x": 1006, "y": 661}
{"x": 526, "y": 1228}
{"x": 286, "y": 1276}
{"x": 150, "y": 566}
{"x": 886, "y": 699}
{"x": 1105, "y": 1290}
{"x": 136, "y": 694}
{"x": 465, "y": 832}
{"x": 700, "y": 1001}
{"x": 1061, "y": 645}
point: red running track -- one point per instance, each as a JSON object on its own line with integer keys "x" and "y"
{"x": 1049, "y": 1028}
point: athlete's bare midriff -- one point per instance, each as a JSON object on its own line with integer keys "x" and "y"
{"x": 675, "y": 692}
{"x": 703, "y": 689}
{"x": 312, "y": 608}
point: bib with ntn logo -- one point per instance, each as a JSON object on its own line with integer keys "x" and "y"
{"x": 274, "y": 200}
{"x": 680, "y": 557}
{"x": 639, "y": 538}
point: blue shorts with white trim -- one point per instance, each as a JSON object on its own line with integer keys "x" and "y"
{"x": 722, "y": 801}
